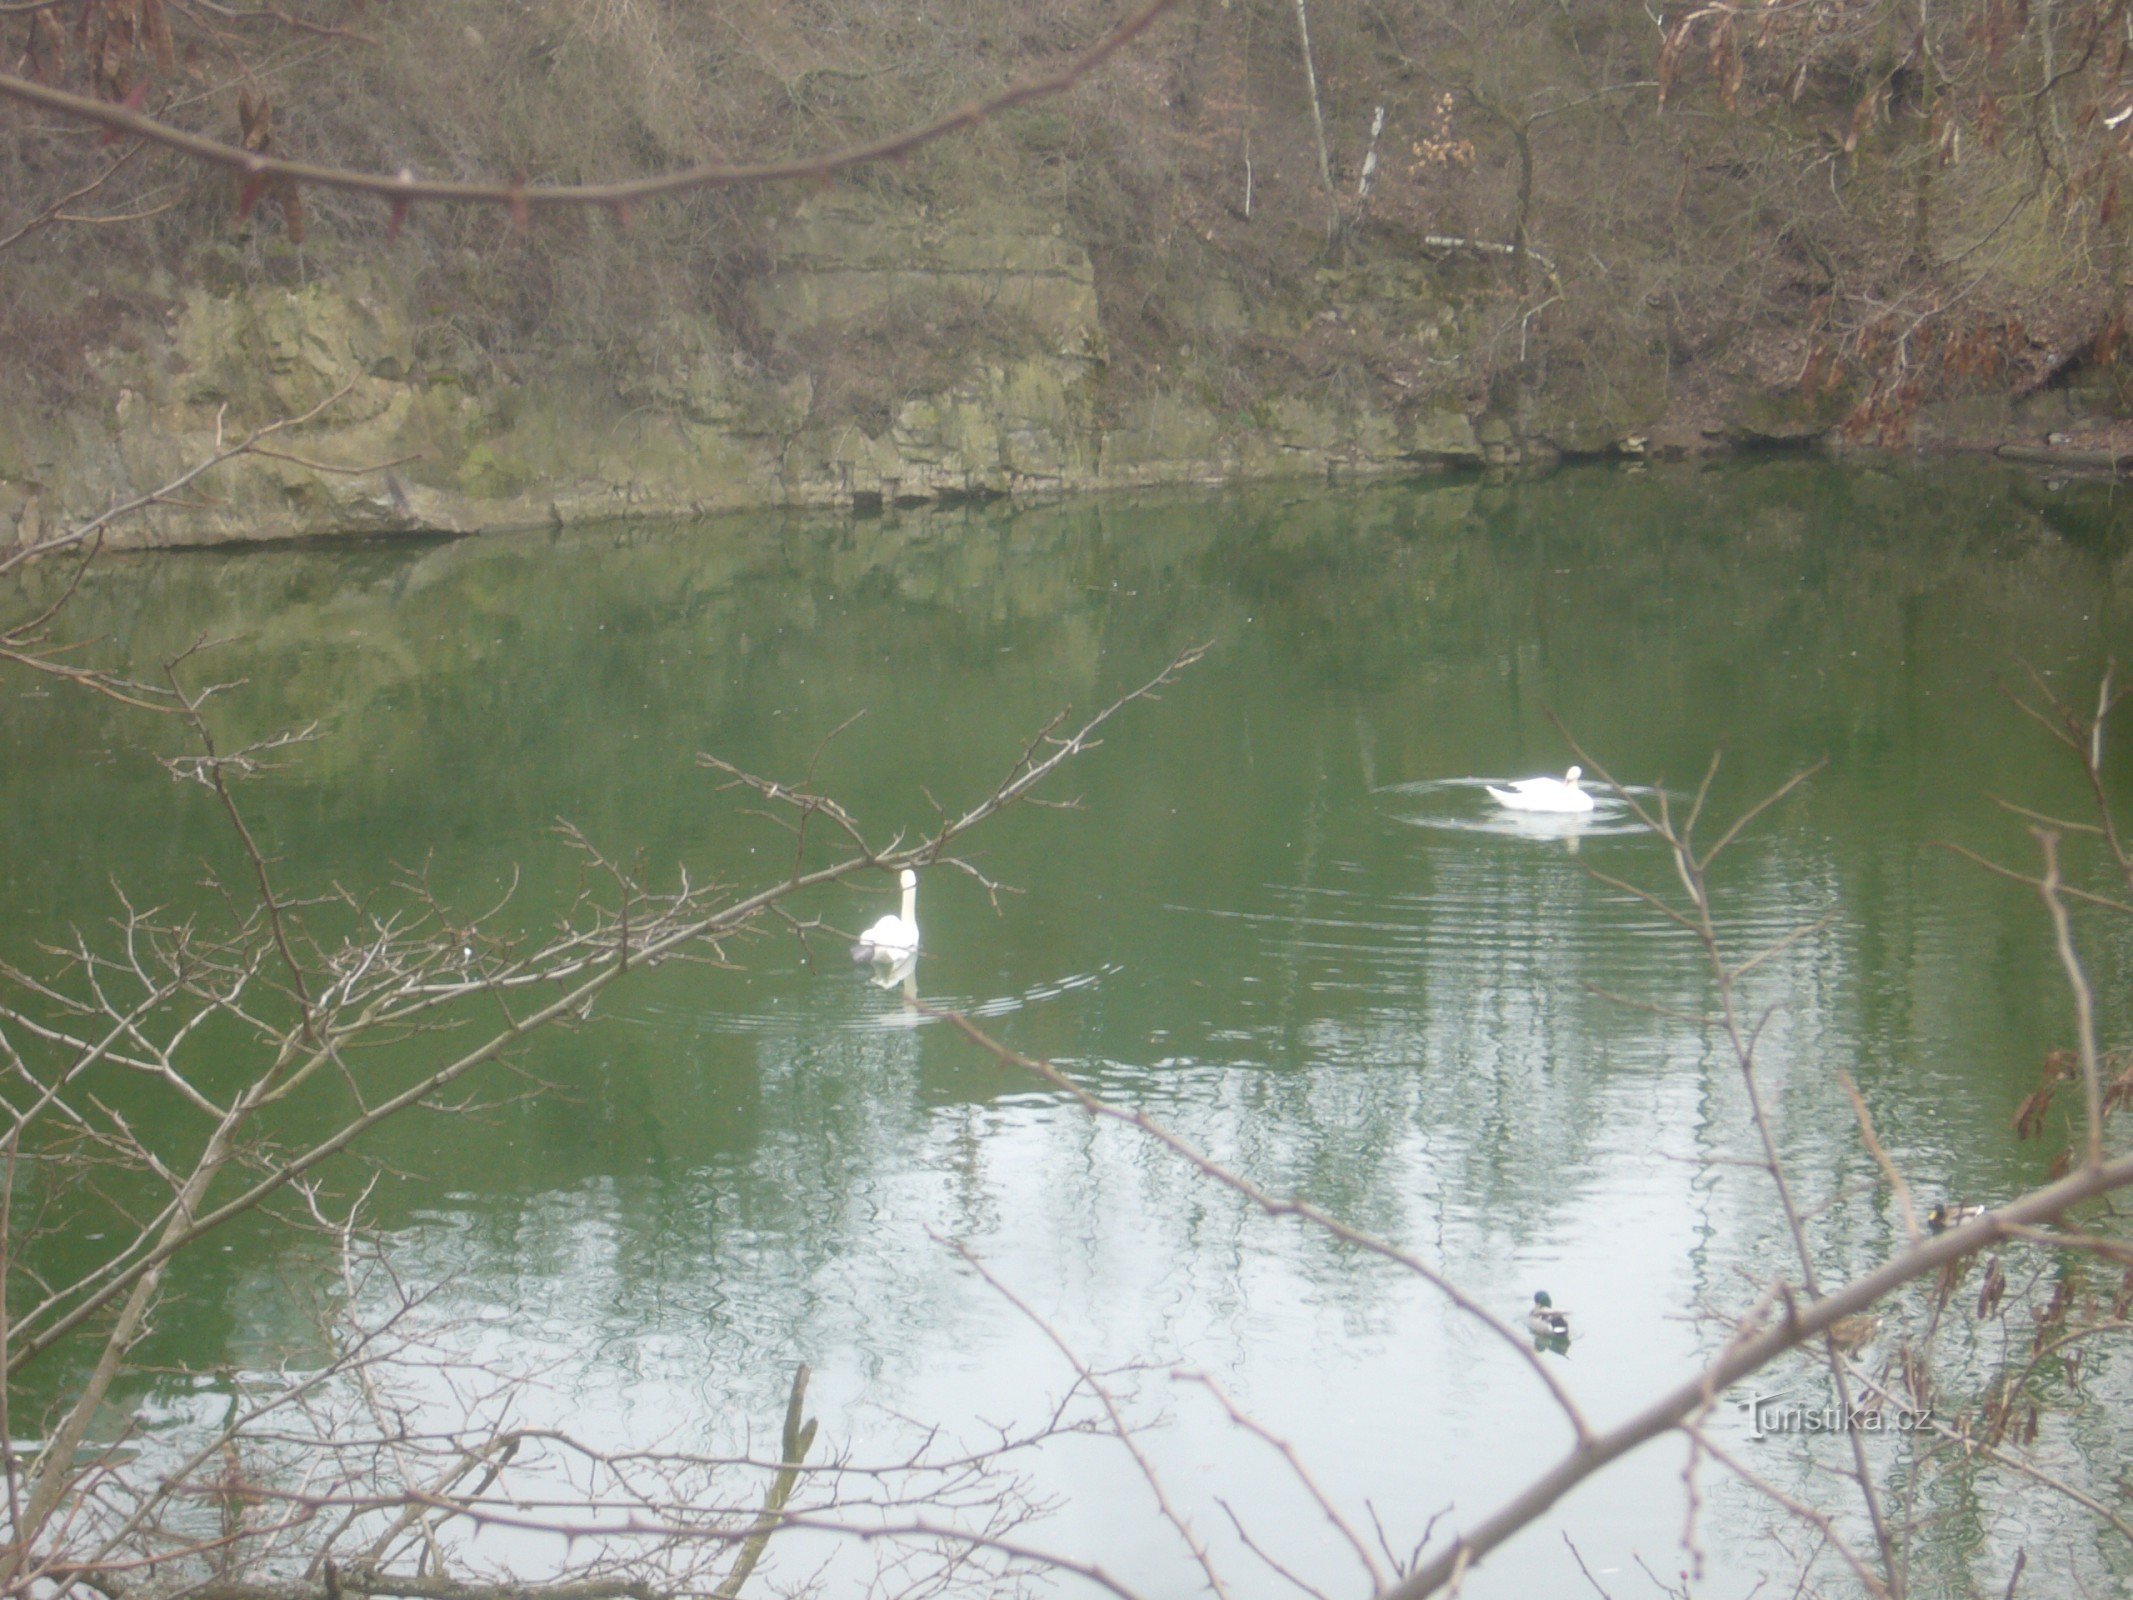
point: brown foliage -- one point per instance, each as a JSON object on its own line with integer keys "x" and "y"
{"x": 255, "y": 122}
{"x": 1725, "y": 64}
{"x": 114, "y": 43}
{"x": 2030, "y": 1114}
{"x": 1714, "y": 238}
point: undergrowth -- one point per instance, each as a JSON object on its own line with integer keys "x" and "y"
{"x": 1781, "y": 201}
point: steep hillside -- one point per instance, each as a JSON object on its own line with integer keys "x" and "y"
{"x": 1569, "y": 226}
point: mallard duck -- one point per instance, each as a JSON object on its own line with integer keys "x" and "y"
{"x": 1948, "y": 1215}
{"x": 895, "y": 937}
{"x": 1855, "y": 1333}
{"x": 1545, "y": 1321}
{"x": 1545, "y": 794}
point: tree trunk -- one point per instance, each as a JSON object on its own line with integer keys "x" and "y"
{"x": 1318, "y": 120}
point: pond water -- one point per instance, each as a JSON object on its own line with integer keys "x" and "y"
{"x": 1283, "y": 921}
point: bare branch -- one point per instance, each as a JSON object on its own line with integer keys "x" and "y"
{"x": 521, "y": 198}
{"x": 2084, "y": 1006}
{"x": 1275, "y": 1207}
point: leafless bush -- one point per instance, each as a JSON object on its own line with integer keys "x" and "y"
{"x": 1829, "y": 195}
{"x": 1985, "y": 1380}
{"x": 176, "y": 1073}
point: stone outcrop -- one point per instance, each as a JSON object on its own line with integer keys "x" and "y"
{"x": 978, "y": 338}
{"x": 1025, "y": 409}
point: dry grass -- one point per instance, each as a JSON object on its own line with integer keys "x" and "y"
{"x": 1677, "y": 238}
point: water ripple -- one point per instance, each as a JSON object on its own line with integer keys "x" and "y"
{"x": 860, "y": 1007}
{"x": 1452, "y": 804}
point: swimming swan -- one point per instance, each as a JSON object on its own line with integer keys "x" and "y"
{"x": 1545, "y": 794}
{"x": 895, "y": 937}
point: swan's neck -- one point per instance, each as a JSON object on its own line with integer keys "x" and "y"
{"x": 911, "y": 901}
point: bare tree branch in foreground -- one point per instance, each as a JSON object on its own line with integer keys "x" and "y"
{"x": 27, "y": 641}
{"x": 322, "y": 989}
{"x": 1784, "y": 1316}
{"x": 348, "y": 1480}
{"x": 1779, "y": 1325}
{"x": 258, "y": 171}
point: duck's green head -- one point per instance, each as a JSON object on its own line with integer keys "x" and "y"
{"x": 1541, "y": 1299}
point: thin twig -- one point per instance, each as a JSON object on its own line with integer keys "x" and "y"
{"x": 2084, "y": 1006}
{"x": 521, "y": 198}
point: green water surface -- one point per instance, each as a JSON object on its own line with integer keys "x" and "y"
{"x": 1280, "y": 921}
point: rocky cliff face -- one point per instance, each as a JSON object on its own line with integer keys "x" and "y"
{"x": 973, "y": 344}
{"x": 914, "y": 357}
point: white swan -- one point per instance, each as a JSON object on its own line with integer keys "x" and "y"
{"x": 1545, "y": 794}
{"x": 899, "y": 972}
{"x": 894, "y": 938}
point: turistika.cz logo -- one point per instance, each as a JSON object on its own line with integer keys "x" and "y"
{"x": 1775, "y": 1413}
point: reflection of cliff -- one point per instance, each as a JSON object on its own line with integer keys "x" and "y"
{"x": 470, "y": 693}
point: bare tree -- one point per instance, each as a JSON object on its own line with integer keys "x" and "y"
{"x": 346, "y": 1480}
{"x": 342, "y": 1481}
{"x": 260, "y": 171}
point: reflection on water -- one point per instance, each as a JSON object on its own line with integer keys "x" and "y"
{"x": 1450, "y": 804}
{"x": 902, "y": 974}
{"x": 1276, "y": 921}
{"x": 828, "y": 1005}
